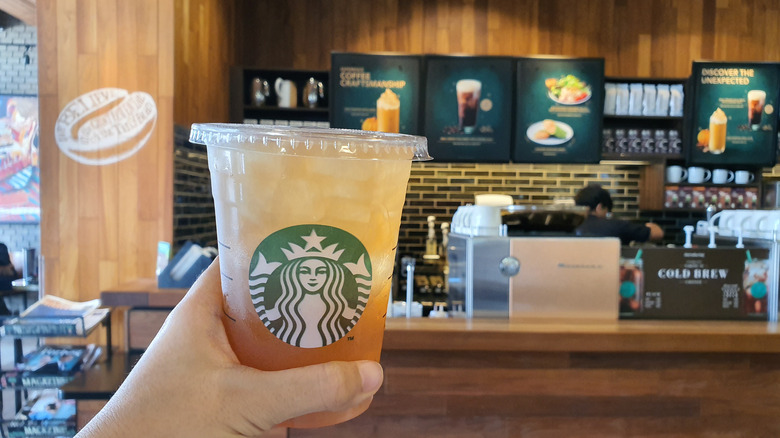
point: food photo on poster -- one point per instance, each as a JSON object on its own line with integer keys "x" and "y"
{"x": 734, "y": 117}
{"x": 375, "y": 92}
{"x": 559, "y": 110}
{"x": 467, "y": 99}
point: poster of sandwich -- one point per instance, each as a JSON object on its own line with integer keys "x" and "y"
{"x": 733, "y": 120}
{"x": 560, "y": 104}
{"x": 468, "y": 103}
{"x": 375, "y": 92}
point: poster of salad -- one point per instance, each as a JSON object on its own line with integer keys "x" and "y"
{"x": 559, "y": 110}
{"x": 733, "y": 121}
{"x": 375, "y": 92}
{"x": 467, "y": 102}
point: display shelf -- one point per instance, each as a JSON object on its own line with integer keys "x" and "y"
{"x": 645, "y": 118}
{"x": 46, "y": 423}
{"x": 241, "y": 106}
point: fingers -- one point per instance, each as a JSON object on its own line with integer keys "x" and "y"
{"x": 332, "y": 386}
{"x": 207, "y": 289}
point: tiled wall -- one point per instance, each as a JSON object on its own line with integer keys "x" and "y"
{"x": 17, "y": 76}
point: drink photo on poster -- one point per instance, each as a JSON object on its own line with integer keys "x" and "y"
{"x": 468, "y": 91}
{"x": 733, "y": 115}
{"x": 467, "y": 99}
{"x": 375, "y": 92}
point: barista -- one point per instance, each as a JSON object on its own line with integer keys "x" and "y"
{"x": 599, "y": 222}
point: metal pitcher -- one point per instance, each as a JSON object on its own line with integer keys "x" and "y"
{"x": 313, "y": 91}
{"x": 260, "y": 91}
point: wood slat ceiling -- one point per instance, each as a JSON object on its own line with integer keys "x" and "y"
{"x": 24, "y": 10}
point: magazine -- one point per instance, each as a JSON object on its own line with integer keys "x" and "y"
{"x": 78, "y": 325}
{"x": 55, "y": 358}
{"x": 50, "y": 366}
{"x": 51, "y": 306}
{"x": 44, "y": 414}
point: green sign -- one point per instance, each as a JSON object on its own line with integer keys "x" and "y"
{"x": 733, "y": 119}
{"x": 375, "y": 92}
{"x": 468, "y": 103}
{"x": 560, "y": 102}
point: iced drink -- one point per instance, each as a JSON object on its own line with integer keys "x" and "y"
{"x": 754, "y": 282}
{"x": 388, "y": 112}
{"x": 718, "y": 120}
{"x": 307, "y": 225}
{"x": 468, "y": 91}
{"x": 756, "y": 100}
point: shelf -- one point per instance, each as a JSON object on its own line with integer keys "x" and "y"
{"x": 641, "y": 157}
{"x": 276, "y": 113}
{"x": 709, "y": 184}
{"x": 643, "y": 118}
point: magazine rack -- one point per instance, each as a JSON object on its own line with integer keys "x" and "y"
{"x": 29, "y": 421}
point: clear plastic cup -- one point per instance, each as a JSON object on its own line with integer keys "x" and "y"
{"x": 307, "y": 224}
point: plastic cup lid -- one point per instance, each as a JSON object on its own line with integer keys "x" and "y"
{"x": 329, "y": 142}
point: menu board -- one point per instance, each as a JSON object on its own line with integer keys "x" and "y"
{"x": 733, "y": 121}
{"x": 560, "y": 103}
{"x": 696, "y": 283}
{"x": 468, "y": 102}
{"x": 375, "y": 92}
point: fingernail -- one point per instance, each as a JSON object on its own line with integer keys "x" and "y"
{"x": 371, "y": 374}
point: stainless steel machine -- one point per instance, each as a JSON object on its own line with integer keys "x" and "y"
{"x": 525, "y": 262}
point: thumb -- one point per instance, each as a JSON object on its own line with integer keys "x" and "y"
{"x": 331, "y": 386}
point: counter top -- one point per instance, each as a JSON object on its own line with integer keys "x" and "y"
{"x": 539, "y": 335}
{"x": 582, "y": 335}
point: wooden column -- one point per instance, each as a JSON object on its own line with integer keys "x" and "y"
{"x": 100, "y": 224}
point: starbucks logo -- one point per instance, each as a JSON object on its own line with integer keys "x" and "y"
{"x": 310, "y": 284}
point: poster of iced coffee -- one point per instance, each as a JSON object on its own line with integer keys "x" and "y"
{"x": 734, "y": 118}
{"x": 559, "y": 110}
{"x": 467, "y": 108}
{"x": 375, "y": 92}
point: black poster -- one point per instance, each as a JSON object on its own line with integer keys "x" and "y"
{"x": 733, "y": 119}
{"x": 695, "y": 283}
{"x": 560, "y": 104}
{"x": 468, "y": 107}
{"x": 375, "y": 92}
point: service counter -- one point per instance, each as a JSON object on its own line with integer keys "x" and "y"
{"x": 555, "y": 378}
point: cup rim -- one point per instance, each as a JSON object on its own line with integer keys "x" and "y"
{"x": 295, "y": 140}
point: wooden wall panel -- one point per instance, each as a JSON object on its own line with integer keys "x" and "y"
{"x": 656, "y": 38}
{"x": 206, "y": 45}
{"x": 100, "y": 224}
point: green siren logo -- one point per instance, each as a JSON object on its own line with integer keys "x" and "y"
{"x": 310, "y": 284}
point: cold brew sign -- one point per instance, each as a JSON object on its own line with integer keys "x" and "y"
{"x": 467, "y": 103}
{"x": 734, "y": 118}
{"x": 375, "y": 92}
{"x": 560, "y": 103}
{"x": 704, "y": 283}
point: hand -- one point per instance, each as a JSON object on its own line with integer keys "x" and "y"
{"x": 189, "y": 382}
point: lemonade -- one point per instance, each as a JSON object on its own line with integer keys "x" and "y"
{"x": 307, "y": 223}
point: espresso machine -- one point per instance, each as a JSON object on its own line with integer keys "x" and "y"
{"x": 526, "y": 262}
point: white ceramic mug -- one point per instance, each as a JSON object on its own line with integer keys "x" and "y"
{"x": 722, "y": 176}
{"x": 675, "y": 174}
{"x": 743, "y": 177}
{"x": 698, "y": 175}
{"x": 286, "y": 93}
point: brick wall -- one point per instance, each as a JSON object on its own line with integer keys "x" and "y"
{"x": 18, "y": 76}
{"x": 438, "y": 189}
